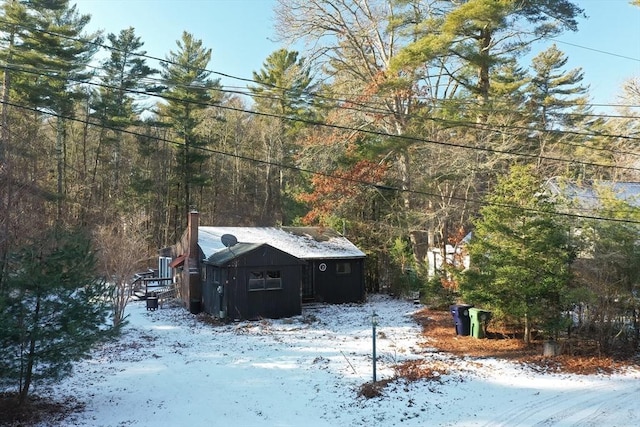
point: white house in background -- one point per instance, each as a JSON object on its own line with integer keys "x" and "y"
{"x": 581, "y": 196}
{"x": 455, "y": 256}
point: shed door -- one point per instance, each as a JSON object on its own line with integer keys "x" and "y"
{"x": 308, "y": 293}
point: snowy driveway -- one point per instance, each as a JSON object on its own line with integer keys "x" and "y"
{"x": 170, "y": 369}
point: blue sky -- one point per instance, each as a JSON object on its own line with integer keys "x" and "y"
{"x": 239, "y": 32}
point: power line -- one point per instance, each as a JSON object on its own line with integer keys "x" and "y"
{"x": 443, "y": 121}
{"x": 351, "y": 129}
{"x": 324, "y": 174}
{"x": 360, "y": 104}
{"x": 222, "y": 74}
{"x": 595, "y": 50}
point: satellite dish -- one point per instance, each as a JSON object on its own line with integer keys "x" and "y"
{"x": 228, "y": 240}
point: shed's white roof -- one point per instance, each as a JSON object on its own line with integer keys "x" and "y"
{"x": 301, "y": 242}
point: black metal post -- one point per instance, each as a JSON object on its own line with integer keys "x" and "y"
{"x": 374, "y": 322}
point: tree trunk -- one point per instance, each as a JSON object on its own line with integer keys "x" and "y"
{"x": 483, "y": 75}
{"x": 28, "y": 373}
{"x": 267, "y": 207}
{"x": 404, "y": 164}
{"x": 5, "y": 190}
{"x": 186, "y": 183}
{"x": 420, "y": 244}
{"x": 59, "y": 152}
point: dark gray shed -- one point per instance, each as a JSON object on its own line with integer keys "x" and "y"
{"x": 333, "y": 269}
{"x": 251, "y": 281}
{"x": 252, "y": 272}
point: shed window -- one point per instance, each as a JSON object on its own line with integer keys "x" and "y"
{"x": 274, "y": 281}
{"x": 256, "y": 280}
{"x": 343, "y": 268}
{"x": 265, "y": 280}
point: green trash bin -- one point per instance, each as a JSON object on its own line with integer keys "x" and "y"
{"x": 479, "y": 319}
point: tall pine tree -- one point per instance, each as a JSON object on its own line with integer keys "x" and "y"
{"x": 282, "y": 88}
{"x": 53, "y": 59}
{"x": 478, "y": 35}
{"x": 125, "y": 77}
{"x": 190, "y": 91}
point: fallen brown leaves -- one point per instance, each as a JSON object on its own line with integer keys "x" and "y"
{"x": 414, "y": 370}
{"x": 439, "y": 333}
{"x": 373, "y": 389}
{"x": 36, "y": 410}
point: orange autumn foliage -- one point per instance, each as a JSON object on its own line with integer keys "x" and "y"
{"x": 333, "y": 192}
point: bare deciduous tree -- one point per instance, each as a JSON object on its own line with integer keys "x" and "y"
{"x": 122, "y": 252}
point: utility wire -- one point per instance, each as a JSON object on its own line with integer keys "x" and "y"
{"x": 593, "y": 49}
{"x": 386, "y": 111}
{"x": 306, "y": 121}
{"x": 218, "y": 73}
{"x": 324, "y": 174}
{"x": 347, "y": 105}
{"x": 351, "y": 129}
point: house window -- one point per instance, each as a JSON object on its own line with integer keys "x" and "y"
{"x": 265, "y": 280}
{"x": 343, "y": 268}
{"x": 274, "y": 281}
{"x": 256, "y": 280}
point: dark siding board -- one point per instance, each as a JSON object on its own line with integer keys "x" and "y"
{"x": 277, "y": 303}
{"x": 239, "y": 302}
{"x": 334, "y": 288}
{"x": 237, "y": 291}
{"x": 208, "y": 294}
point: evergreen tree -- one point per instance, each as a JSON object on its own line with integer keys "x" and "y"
{"x": 519, "y": 255}
{"x": 478, "y": 35}
{"x": 283, "y": 89}
{"x": 53, "y": 58}
{"x": 190, "y": 91}
{"x": 283, "y": 85}
{"x": 125, "y": 73}
{"x": 53, "y": 309}
{"x": 13, "y": 16}
{"x": 12, "y": 30}
{"x": 553, "y": 91}
{"x": 557, "y": 101}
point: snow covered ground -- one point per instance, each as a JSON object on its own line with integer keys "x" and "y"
{"x": 169, "y": 369}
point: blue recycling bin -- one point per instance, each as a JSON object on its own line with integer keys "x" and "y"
{"x": 461, "y": 318}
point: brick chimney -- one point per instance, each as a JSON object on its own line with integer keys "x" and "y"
{"x": 192, "y": 266}
{"x": 194, "y": 222}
